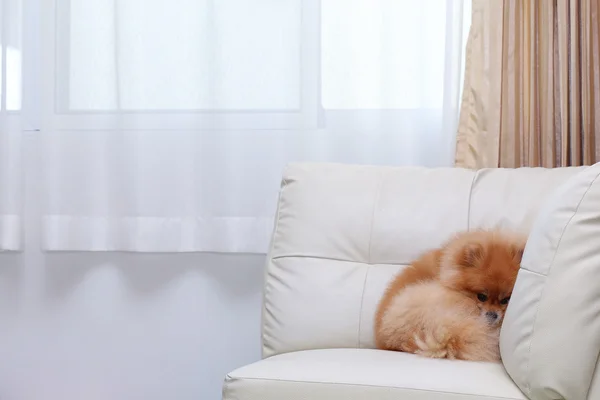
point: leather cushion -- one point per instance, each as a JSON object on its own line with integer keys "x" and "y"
{"x": 550, "y": 338}
{"x": 343, "y": 231}
{"x": 364, "y": 374}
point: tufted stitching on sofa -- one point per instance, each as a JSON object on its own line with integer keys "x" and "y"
{"x": 537, "y": 309}
{"x": 370, "y": 265}
{"x": 475, "y": 175}
{"x": 375, "y": 202}
{"x": 362, "y": 302}
{"x": 318, "y": 257}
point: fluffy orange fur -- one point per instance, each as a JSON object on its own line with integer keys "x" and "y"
{"x": 450, "y": 302}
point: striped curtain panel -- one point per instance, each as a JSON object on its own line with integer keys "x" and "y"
{"x": 532, "y": 85}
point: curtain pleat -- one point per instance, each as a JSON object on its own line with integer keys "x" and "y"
{"x": 478, "y": 131}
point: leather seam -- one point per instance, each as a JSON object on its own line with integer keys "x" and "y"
{"x": 375, "y": 201}
{"x": 475, "y": 174}
{"x": 362, "y": 302}
{"x": 587, "y": 396}
{"x": 534, "y": 272}
{"x": 528, "y": 372}
{"x": 370, "y": 264}
{"x": 268, "y": 266}
{"x": 401, "y": 264}
{"x": 477, "y": 396}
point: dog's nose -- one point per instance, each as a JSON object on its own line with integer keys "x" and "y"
{"x": 491, "y": 315}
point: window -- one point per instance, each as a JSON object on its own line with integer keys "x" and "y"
{"x": 10, "y": 55}
{"x": 212, "y": 55}
{"x": 261, "y": 64}
{"x": 370, "y": 44}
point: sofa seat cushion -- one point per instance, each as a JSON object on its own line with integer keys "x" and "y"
{"x": 357, "y": 374}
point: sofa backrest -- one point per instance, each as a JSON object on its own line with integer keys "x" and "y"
{"x": 342, "y": 232}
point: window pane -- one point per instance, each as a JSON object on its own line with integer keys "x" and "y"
{"x": 10, "y": 40}
{"x": 383, "y": 54}
{"x": 183, "y": 55}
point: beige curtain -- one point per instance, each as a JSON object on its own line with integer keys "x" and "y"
{"x": 532, "y": 85}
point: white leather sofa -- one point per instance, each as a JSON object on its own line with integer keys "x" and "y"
{"x": 341, "y": 233}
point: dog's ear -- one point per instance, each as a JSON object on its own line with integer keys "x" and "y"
{"x": 472, "y": 253}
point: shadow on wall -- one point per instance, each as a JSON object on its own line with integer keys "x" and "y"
{"x": 147, "y": 274}
{"x": 11, "y": 272}
{"x": 128, "y": 326}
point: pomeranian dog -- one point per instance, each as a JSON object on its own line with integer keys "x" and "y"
{"x": 450, "y": 302}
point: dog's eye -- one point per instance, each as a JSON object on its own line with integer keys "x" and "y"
{"x": 505, "y": 300}
{"x": 482, "y": 297}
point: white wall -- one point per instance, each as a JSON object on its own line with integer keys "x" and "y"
{"x": 122, "y": 326}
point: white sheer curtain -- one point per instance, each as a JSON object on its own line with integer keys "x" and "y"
{"x": 10, "y": 124}
{"x": 167, "y": 124}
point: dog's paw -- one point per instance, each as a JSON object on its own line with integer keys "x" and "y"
{"x": 433, "y": 345}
